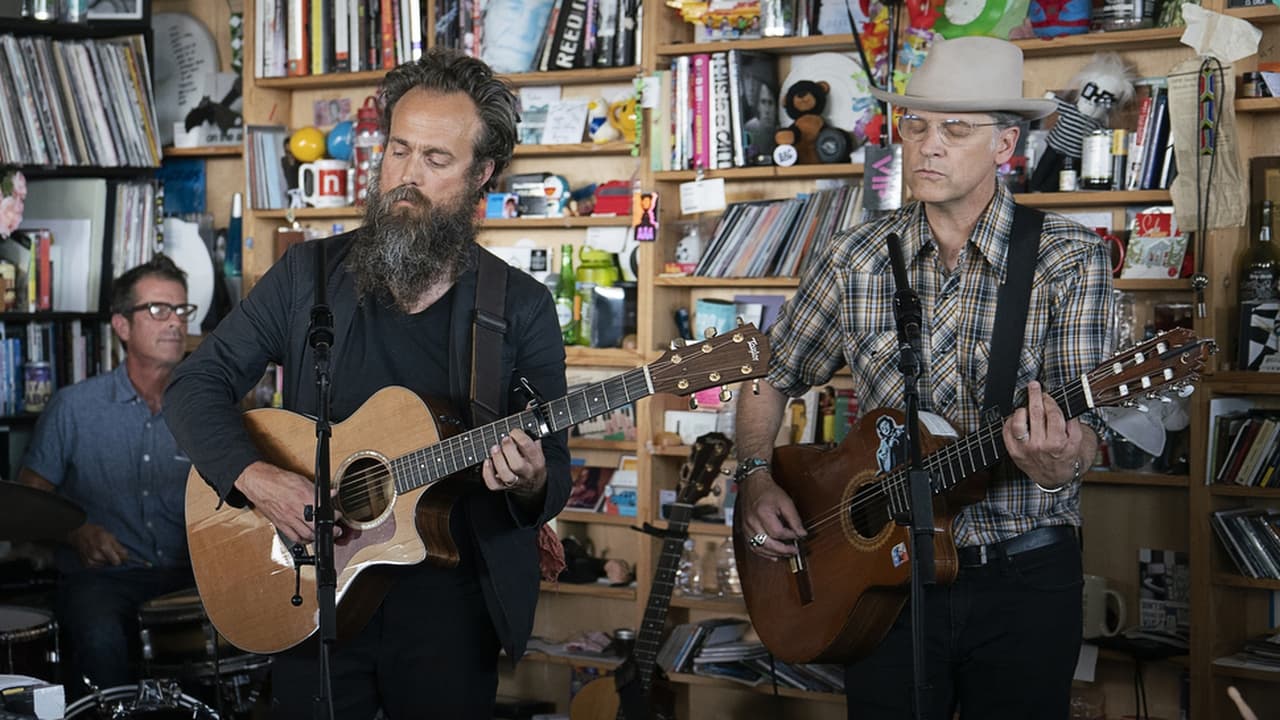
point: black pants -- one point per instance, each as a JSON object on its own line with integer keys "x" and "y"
{"x": 430, "y": 651}
{"x": 1002, "y": 643}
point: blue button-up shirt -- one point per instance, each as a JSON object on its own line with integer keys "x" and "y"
{"x": 99, "y": 444}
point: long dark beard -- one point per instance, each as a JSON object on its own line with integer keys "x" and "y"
{"x": 405, "y": 250}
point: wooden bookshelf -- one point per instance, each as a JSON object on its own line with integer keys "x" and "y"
{"x": 1245, "y": 382}
{"x": 1154, "y": 284}
{"x": 763, "y": 688}
{"x": 1119, "y": 40}
{"x": 599, "y": 518}
{"x": 1121, "y": 477}
{"x": 373, "y": 77}
{"x": 766, "y": 172}
{"x": 697, "y": 281}
{"x": 580, "y": 443}
{"x": 204, "y": 151}
{"x": 1093, "y": 198}
{"x": 601, "y": 357}
{"x": 595, "y": 590}
{"x": 781, "y": 45}
{"x": 1258, "y": 105}
{"x": 1243, "y": 491}
{"x": 1240, "y": 581}
{"x": 574, "y": 149}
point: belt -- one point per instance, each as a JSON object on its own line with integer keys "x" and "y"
{"x": 979, "y": 555}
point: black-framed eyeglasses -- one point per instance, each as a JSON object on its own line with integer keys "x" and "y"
{"x": 951, "y": 131}
{"x": 162, "y": 310}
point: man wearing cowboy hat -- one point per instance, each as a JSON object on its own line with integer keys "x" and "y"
{"x": 1003, "y": 638}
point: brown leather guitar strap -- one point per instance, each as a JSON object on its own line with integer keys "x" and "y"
{"x": 1012, "y": 304}
{"x": 488, "y": 327}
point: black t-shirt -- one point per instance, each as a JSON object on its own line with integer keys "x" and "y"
{"x": 385, "y": 346}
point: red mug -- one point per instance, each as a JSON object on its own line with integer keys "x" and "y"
{"x": 1117, "y": 249}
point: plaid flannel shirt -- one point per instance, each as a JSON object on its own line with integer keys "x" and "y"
{"x": 842, "y": 314}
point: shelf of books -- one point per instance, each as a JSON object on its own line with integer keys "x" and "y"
{"x": 1116, "y": 40}
{"x": 697, "y": 281}
{"x": 765, "y": 172}
{"x": 1257, "y": 14}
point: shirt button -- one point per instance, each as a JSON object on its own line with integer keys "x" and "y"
{"x": 148, "y": 523}
{"x": 159, "y": 553}
{"x": 146, "y": 458}
{"x": 146, "y": 424}
{"x": 146, "y": 493}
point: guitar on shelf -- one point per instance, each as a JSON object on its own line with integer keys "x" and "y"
{"x": 836, "y": 599}
{"x": 601, "y": 699}
{"x": 399, "y": 467}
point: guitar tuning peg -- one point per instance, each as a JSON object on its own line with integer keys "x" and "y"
{"x": 725, "y": 395}
{"x": 693, "y": 403}
{"x": 1185, "y": 391}
{"x": 710, "y": 332}
{"x": 1141, "y": 407}
{"x": 755, "y": 386}
{"x": 677, "y": 343}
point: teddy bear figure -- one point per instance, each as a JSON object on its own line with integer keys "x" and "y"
{"x": 813, "y": 140}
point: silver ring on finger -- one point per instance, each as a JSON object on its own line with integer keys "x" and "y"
{"x": 758, "y": 540}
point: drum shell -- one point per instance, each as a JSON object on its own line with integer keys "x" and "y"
{"x": 28, "y": 642}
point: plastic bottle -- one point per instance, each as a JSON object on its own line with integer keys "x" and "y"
{"x": 689, "y": 571}
{"x": 368, "y": 145}
{"x": 566, "y": 296}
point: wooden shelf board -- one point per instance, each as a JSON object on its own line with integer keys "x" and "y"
{"x": 765, "y": 172}
{"x": 607, "y": 665}
{"x": 597, "y": 444}
{"x": 1139, "y": 284}
{"x": 1256, "y": 13}
{"x": 570, "y": 149}
{"x": 781, "y": 45}
{"x": 1120, "y": 477}
{"x": 693, "y": 281}
{"x": 41, "y": 172}
{"x": 311, "y": 213}
{"x": 571, "y": 221}
{"x": 1245, "y": 673}
{"x": 1143, "y": 39}
{"x": 1240, "y": 581}
{"x": 601, "y": 357}
{"x": 598, "y": 518}
{"x": 204, "y": 151}
{"x": 373, "y": 77}
{"x": 1258, "y": 383}
{"x": 675, "y": 451}
{"x": 711, "y": 604}
{"x": 592, "y": 590}
{"x": 1092, "y": 198}
{"x": 698, "y": 527}
{"x": 1258, "y": 105}
{"x": 762, "y": 689}
{"x": 1224, "y": 490}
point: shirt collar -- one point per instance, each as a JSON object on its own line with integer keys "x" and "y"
{"x": 122, "y": 389}
{"x": 990, "y": 234}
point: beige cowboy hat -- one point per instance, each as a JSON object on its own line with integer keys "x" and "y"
{"x": 969, "y": 74}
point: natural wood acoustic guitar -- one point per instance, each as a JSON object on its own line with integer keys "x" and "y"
{"x": 600, "y": 700}
{"x": 400, "y": 463}
{"x": 836, "y": 599}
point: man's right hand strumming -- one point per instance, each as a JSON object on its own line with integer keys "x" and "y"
{"x": 282, "y": 496}
{"x": 771, "y": 520}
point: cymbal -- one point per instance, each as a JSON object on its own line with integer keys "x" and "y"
{"x": 30, "y": 514}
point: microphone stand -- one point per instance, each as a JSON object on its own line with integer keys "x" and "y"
{"x": 918, "y": 514}
{"x": 320, "y": 338}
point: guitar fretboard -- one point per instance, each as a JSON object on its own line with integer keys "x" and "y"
{"x": 451, "y": 455}
{"x": 649, "y": 639}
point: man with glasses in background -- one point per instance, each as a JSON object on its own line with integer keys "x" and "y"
{"x": 104, "y": 444}
{"x": 1003, "y": 639}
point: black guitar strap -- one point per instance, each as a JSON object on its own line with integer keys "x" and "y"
{"x": 488, "y": 327}
{"x": 1012, "y": 304}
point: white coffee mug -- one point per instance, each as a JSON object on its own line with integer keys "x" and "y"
{"x": 1097, "y": 597}
{"x": 328, "y": 184}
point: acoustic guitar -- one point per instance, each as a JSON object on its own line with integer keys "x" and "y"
{"x": 836, "y": 599}
{"x": 400, "y": 463}
{"x": 600, "y": 700}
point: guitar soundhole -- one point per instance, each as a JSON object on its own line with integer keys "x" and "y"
{"x": 869, "y": 510}
{"x": 365, "y": 490}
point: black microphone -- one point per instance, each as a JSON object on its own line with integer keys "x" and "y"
{"x": 320, "y": 336}
{"x": 906, "y": 304}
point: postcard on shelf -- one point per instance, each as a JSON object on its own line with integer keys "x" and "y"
{"x": 621, "y": 494}
{"x": 589, "y": 483}
{"x": 1156, "y": 245}
{"x": 565, "y": 122}
{"x": 1260, "y": 336}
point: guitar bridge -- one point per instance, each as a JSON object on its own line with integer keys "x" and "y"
{"x": 800, "y": 569}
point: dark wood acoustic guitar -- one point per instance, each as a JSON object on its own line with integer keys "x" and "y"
{"x": 399, "y": 467}
{"x": 836, "y": 599}
{"x": 600, "y": 700}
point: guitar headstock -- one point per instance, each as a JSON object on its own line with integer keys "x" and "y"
{"x": 698, "y": 474}
{"x": 1170, "y": 362}
{"x": 741, "y": 354}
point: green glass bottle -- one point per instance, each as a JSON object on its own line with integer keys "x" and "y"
{"x": 566, "y": 295}
{"x": 596, "y": 268}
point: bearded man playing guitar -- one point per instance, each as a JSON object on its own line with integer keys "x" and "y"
{"x": 403, "y": 289}
{"x": 1002, "y": 640}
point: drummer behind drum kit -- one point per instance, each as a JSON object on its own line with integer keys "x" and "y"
{"x": 178, "y": 641}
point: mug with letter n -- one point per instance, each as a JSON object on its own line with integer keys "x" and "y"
{"x": 327, "y": 186}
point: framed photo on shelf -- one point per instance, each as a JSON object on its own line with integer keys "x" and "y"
{"x": 115, "y": 10}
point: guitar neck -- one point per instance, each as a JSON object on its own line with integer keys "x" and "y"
{"x": 649, "y": 638}
{"x": 985, "y": 447}
{"x": 427, "y": 465}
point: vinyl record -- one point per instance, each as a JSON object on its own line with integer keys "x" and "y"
{"x": 185, "y": 51}
{"x": 183, "y": 245}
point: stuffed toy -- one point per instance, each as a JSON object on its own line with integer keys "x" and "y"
{"x": 1105, "y": 84}
{"x": 805, "y": 102}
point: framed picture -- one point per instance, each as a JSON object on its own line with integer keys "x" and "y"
{"x": 115, "y": 9}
